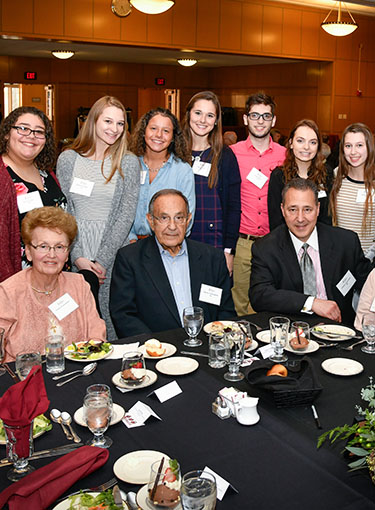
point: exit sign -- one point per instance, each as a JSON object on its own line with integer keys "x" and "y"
{"x": 29, "y": 75}
{"x": 159, "y": 81}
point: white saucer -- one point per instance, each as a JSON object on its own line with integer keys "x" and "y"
{"x": 170, "y": 349}
{"x": 253, "y": 346}
{"x": 118, "y": 414}
{"x": 342, "y": 366}
{"x": 177, "y": 365}
{"x": 150, "y": 378}
{"x": 312, "y": 347}
{"x": 142, "y": 500}
{"x": 135, "y": 467}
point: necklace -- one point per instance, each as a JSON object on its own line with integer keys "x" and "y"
{"x": 45, "y": 292}
{"x": 198, "y": 158}
{"x": 154, "y": 169}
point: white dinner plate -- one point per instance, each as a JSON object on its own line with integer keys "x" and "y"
{"x": 333, "y": 328}
{"x": 142, "y": 500}
{"x": 220, "y": 325}
{"x": 135, "y": 467}
{"x": 65, "y": 505}
{"x": 68, "y": 355}
{"x": 150, "y": 378}
{"x": 118, "y": 414}
{"x": 312, "y": 347}
{"x": 170, "y": 349}
{"x": 342, "y": 366}
{"x": 177, "y": 365}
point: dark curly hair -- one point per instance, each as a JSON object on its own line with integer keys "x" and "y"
{"x": 178, "y": 146}
{"x": 46, "y": 159}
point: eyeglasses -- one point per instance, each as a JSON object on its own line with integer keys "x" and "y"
{"x": 255, "y": 116}
{"x": 45, "y": 248}
{"x": 25, "y": 131}
{"x": 164, "y": 220}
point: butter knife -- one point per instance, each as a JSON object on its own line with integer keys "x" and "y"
{"x": 51, "y": 452}
{"x": 195, "y": 354}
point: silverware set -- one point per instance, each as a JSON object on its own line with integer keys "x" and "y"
{"x": 50, "y": 452}
{"x": 65, "y": 420}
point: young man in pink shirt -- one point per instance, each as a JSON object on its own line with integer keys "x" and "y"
{"x": 257, "y": 157}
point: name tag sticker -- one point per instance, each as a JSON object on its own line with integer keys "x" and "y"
{"x": 361, "y": 196}
{"x": 322, "y": 193}
{"x": 143, "y": 176}
{"x": 201, "y": 168}
{"x": 346, "y": 283}
{"x": 29, "y": 201}
{"x": 209, "y": 294}
{"x": 256, "y": 177}
{"x": 82, "y": 187}
{"x": 63, "y": 306}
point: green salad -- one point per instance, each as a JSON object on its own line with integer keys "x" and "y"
{"x": 86, "y": 501}
{"x": 41, "y": 424}
{"x": 92, "y": 349}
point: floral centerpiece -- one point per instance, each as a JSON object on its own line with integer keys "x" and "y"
{"x": 360, "y": 437}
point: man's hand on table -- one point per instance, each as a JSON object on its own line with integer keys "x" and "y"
{"x": 326, "y": 308}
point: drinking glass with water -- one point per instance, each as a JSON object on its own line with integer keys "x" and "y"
{"x": 198, "y": 491}
{"x": 193, "y": 321}
{"x": 55, "y": 360}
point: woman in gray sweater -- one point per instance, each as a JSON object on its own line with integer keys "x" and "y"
{"x": 101, "y": 180}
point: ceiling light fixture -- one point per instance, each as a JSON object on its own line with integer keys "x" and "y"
{"x": 63, "y": 54}
{"x": 152, "y": 6}
{"x": 339, "y": 28}
{"x": 187, "y": 62}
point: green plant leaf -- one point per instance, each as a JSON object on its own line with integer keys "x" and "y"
{"x": 360, "y": 452}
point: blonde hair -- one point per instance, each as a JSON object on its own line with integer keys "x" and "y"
{"x": 85, "y": 143}
{"x": 53, "y": 218}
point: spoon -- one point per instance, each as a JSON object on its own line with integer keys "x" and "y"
{"x": 86, "y": 371}
{"x": 55, "y": 415}
{"x": 67, "y": 420}
{"x": 57, "y": 377}
{"x": 131, "y": 500}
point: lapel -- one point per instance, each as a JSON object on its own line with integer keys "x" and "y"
{"x": 155, "y": 269}
{"x": 327, "y": 256}
{"x": 198, "y": 271}
{"x": 289, "y": 260}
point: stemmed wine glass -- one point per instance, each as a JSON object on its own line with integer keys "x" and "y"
{"x": 235, "y": 344}
{"x": 193, "y": 321}
{"x": 368, "y": 330}
{"x": 279, "y": 330}
{"x": 2, "y": 351}
{"x": 97, "y": 415}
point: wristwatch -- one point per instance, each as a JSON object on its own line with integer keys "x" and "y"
{"x": 121, "y": 8}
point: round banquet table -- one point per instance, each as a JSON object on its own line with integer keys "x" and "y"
{"x": 273, "y": 464}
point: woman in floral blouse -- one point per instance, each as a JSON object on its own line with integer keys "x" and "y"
{"x": 27, "y": 157}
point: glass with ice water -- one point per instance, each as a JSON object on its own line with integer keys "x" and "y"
{"x": 193, "y": 321}
{"x": 198, "y": 491}
{"x": 55, "y": 360}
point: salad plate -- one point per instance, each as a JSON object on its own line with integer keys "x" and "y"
{"x": 81, "y": 502}
{"x": 333, "y": 332}
{"x": 92, "y": 350}
{"x": 134, "y": 467}
{"x": 41, "y": 425}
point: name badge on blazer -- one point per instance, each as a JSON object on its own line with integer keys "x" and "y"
{"x": 210, "y": 294}
{"x": 256, "y": 177}
{"x": 201, "y": 168}
{"x": 346, "y": 283}
{"x": 29, "y": 201}
{"x": 63, "y": 306}
{"x": 82, "y": 187}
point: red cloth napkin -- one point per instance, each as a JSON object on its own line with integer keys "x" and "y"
{"x": 39, "y": 489}
{"x": 21, "y": 403}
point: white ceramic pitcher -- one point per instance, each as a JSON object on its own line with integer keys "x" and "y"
{"x": 246, "y": 411}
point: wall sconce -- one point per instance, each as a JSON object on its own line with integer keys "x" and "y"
{"x": 187, "y": 62}
{"x": 339, "y": 28}
{"x": 152, "y": 6}
{"x": 63, "y": 54}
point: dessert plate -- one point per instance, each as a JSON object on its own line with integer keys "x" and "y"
{"x": 118, "y": 414}
{"x": 178, "y": 365}
{"x": 134, "y": 467}
{"x": 150, "y": 378}
{"x": 143, "y": 503}
{"x": 312, "y": 347}
{"x": 264, "y": 336}
{"x": 170, "y": 349}
{"x": 218, "y": 326}
{"x": 323, "y": 332}
{"x": 342, "y": 366}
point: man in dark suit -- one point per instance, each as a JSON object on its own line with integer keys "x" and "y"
{"x": 335, "y": 262}
{"x": 154, "y": 279}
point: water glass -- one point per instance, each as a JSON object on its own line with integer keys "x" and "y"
{"x": 19, "y": 447}
{"x": 101, "y": 390}
{"x": 368, "y": 330}
{"x": 279, "y": 330}
{"x": 217, "y": 351}
{"x": 164, "y": 484}
{"x": 25, "y": 361}
{"x": 2, "y": 351}
{"x": 55, "y": 360}
{"x": 235, "y": 346}
{"x": 133, "y": 368}
{"x": 97, "y": 415}
{"x": 198, "y": 491}
{"x": 193, "y": 318}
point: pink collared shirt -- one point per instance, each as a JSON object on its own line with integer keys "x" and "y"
{"x": 254, "y": 210}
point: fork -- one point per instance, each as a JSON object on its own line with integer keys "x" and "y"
{"x": 100, "y": 488}
{"x": 351, "y": 347}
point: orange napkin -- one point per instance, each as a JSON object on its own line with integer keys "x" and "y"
{"x": 39, "y": 489}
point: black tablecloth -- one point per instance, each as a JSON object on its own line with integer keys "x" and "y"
{"x": 274, "y": 463}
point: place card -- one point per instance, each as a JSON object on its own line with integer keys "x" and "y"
{"x": 138, "y": 414}
{"x": 266, "y": 351}
{"x": 29, "y": 201}
{"x": 210, "y": 294}
{"x": 120, "y": 350}
{"x": 221, "y": 484}
{"x": 168, "y": 391}
{"x": 63, "y": 306}
{"x": 256, "y": 177}
{"x": 82, "y": 187}
{"x": 346, "y": 283}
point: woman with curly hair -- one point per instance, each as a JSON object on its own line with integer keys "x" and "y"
{"x": 354, "y": 187}
{"x": 161, "y": 147}
{"x": 303, "y": 159}
{"x": 217, "y": 177}
{"x": 101, "y": 181}
{"x": 27, "y": 180}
